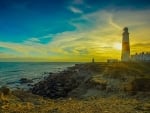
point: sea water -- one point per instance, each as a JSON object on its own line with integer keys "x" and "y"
{"x": 12, "y": 72}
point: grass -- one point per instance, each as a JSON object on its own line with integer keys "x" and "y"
{"x": 36, "y": 104}
{"x": 128, "y": 74}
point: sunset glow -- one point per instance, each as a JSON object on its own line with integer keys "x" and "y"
{"x": 76, "y": 30}
{"x": 118, "y": 46}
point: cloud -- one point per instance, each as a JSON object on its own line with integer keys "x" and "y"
{"x": 142, "y": 44}
{"x": 113, "y": 23}
{"x": 140, "y": 47}
{"x": 80, "y": 3}
{"x": 34, "y": 39}
{"x": 25, "y": 49}
{"x": 5, "y": 55}
{"x": 75, "y": 10}
{"x": 47, "y": 36}
{"x": 100, "y": 31}
{"x": 94, "y": 36}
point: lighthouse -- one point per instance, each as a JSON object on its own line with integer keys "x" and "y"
{"x": 125, "y": 56}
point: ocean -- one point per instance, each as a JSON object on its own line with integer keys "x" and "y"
{"x": 12, "y": 72}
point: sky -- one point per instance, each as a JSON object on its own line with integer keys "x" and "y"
{"x": 71, "y": 30}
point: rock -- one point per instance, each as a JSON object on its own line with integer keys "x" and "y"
{"x": 25, "y": 80}
{"x": 31, "y": 85}
{"x": 97, "y": 82}
{"x": 56, "y": 85}
{"x": 5, "y": 90}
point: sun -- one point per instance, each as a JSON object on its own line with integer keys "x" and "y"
{"x": 117, "y": 46}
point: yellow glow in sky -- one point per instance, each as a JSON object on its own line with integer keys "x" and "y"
{"x": 102, "y": 40}
{"x": 117, "y": 46}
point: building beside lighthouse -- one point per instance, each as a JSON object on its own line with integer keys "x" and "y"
{"x": 141, "y": 57}
{"x": 125, "y": 55}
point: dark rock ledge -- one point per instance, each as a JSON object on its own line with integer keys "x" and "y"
{"x": 60, "y": 84}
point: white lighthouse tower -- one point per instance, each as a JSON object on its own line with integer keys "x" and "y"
{"x": 125, "y": 57}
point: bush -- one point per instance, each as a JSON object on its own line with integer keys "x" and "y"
{"x": 141, "y": 84}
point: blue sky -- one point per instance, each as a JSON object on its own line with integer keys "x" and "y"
{"x": 32, "y": 18}
{"x": 56, "y": 30}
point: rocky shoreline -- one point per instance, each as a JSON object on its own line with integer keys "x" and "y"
{"x": 60, "y": 84}
{"x": 93, "y": 79}
{"x": 85, "y": 88}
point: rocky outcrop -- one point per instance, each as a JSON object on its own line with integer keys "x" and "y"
{"x": 74, "y": 81}
{"x": 87, "y": 79}
{"x": 57, "y": 85}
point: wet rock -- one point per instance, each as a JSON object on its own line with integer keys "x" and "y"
{"x": 31, "y": 85}
{"x": 25, "y": 80}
